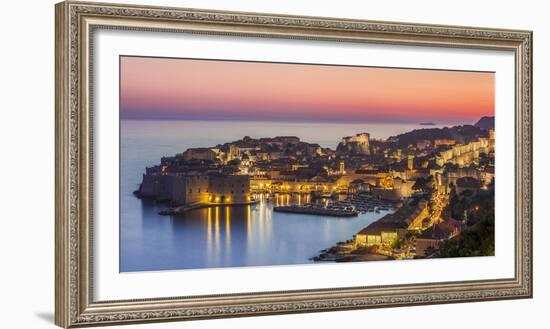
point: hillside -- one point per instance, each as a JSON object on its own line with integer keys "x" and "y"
{"x": 461, "y": 134}
{"x": 486, "y": 123}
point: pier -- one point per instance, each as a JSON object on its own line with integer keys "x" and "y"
{"x": 182, "y": 209}
{"x": 320, "y": 211}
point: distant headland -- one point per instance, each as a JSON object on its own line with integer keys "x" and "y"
{"x": 486, "y": 123}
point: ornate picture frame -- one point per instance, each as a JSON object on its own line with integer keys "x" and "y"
{"x": 76, "y": 22}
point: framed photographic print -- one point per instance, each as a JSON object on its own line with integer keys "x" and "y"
{"x": 219, "y": 164}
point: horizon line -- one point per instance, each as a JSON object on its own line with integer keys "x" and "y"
{"x": 420, "y": 122}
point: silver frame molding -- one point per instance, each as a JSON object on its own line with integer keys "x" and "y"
{"x": 75, "y": 24}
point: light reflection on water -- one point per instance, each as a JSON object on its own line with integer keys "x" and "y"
{"x": 223, "y": 236}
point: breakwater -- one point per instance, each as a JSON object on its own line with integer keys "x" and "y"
{"x": 317, "y": 211}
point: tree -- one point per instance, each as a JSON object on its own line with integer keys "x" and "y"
{"x": 234, "y": 162}
{"x": 479, "y": 238}
{"x": 408, "y": 241}
{"x": 450, "y": 166}
{"x": 419, "y": 183}
{"x": 424, "y": 184}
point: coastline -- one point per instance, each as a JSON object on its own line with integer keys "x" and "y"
{"x": 209, "y": 165}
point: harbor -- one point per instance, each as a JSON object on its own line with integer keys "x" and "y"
{"x": 234, "y": 235}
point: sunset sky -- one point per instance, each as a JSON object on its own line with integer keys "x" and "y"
{"x": 164, "y": 88}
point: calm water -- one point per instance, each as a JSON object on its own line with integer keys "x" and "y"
{"x": 223, "y": 236}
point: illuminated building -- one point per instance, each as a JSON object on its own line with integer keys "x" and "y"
{"x": 230, "y": 188}
{"x": 439, "y": 142}
{"x": 199, "y": 154}
{"x": 191, "y": 189}
{"x": 391, "y": 227}
{"x": 465, "y": 154}
{"x": 358, "y": 144}
{"x": 410, "y": 162}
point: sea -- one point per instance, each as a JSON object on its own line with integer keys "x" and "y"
{"x": 225, "y": 236}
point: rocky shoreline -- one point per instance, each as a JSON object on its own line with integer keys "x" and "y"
{"x": 348, "y": 252}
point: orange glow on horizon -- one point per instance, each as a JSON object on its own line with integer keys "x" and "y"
{"x": 208, "y": 89}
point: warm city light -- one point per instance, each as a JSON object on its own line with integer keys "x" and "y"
{"x": 339, "y": 163}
